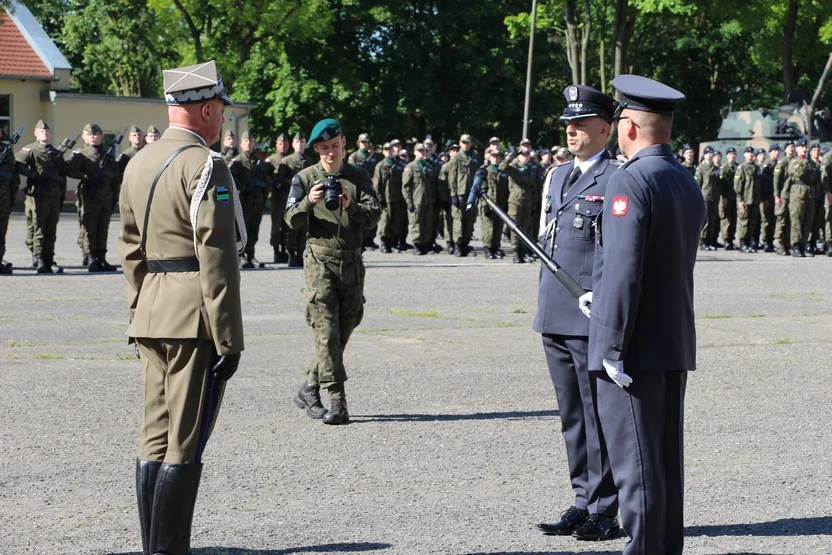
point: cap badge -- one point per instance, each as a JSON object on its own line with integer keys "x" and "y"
{"x": 573, "y": 93}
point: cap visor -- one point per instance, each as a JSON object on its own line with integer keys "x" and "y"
{"x": 227, "y": 101}
{"x": 567, "y": 117}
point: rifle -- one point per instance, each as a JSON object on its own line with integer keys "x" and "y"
{"x": 66, "y": 144}
{"x": 107, "y": 157}
{"x": 8, "y": 150}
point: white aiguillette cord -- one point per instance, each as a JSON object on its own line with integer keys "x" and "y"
{"x": 201, "y": 187}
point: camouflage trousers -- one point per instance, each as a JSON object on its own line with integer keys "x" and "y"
{"x": 83, "y": 240}
{"x": 818, "y": 234}
{"x": 46, "y": 209}
{"x": 463, "y": 224}
{"x": 390, "y": 224}
{"x": 828, "y": 221}
{"x": 748, "y": 219}
{"x": 279, "y": 225}
{"x": 421, "y": 226}
{"x": 445, "y": 223}
{"x": 5, "y": 210}
{"x": 253, "y": 206}
{"x": 491, "y": 227}
{"x": 95, "y": 221}
{"x": 522, "y": 214}
{"x": 783, "y": 225}
{"x": 728, "y": 217}
{"x": 801, "y": 213}
{"x": 710, "y": 232}
{"x": 334, "y": 295}
{"x": 29, "y": 212}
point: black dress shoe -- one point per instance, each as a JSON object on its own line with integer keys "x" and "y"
{"x": 597, "y": 528}
{"x": 570, "y": 520}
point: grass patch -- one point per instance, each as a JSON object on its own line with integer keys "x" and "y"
{"x": 49, "y": 356}
{"x": 756, "y": 315}
{"x": 714, "y": 316}
{"x": 414, "y": 313}
{"x": 11, "y": 343}
{"x": 784, "y": 341}
{"x": 127, "y": 356}
{"x": 518, "y": 311}
{"x": 6, "y": 317}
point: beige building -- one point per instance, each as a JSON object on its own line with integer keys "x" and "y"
{"x": 35, "y": 84}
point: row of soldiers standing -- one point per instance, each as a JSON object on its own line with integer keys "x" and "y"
{"x": 767, "y": 199}
{"x": 425, "y": 196}
{"x": 46, "y": 171}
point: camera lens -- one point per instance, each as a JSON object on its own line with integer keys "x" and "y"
{"x": 332, "y": 193}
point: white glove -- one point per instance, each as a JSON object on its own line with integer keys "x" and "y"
{"x": 615, "y": 370}
{"x": 583, "y": 301}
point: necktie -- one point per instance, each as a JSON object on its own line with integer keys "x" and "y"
{"x": 573, "y": 177}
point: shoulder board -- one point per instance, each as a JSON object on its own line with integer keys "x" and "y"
{"x": 25, "y": 149}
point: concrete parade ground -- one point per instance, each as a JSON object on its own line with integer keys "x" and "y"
{"x": 454, "y": 446}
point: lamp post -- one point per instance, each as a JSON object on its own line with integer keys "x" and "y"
{"x": 529, "y": 74}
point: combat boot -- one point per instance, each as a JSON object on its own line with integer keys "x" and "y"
{"x": 518, "y": 255}
{"x": 5, "y": 270}
{"x": 337, "y": 413}
{"x": 105, "y": 266}
{"x": 500, "y": 254}
{"x": 385, "y": 247}
{"x": 437, "y": 248}
{"x": 769, "y": 246}
{"x": 174, "y": 500}
{"x": 808, "y": 251}
{"x": 309, "y": 398}
{"x": 94, "y": 266}
{"x": 369, "y": 244}
{"x": 404, "y": 245}
{"x": 729, "y": 246}
{"x": 451, "y": 247}
{"x": 43, "y": 267}
{"x": 85, "y": 260}
{"x": 280, "y": 257}
{"x": 829, "y": 249}
{"x": 488, "y": 254}
{"x": 146, "y": 474}
{"x": 295, "y": 260}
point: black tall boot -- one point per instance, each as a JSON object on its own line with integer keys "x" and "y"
{"x": 173, "y": 508}
{"x": 146, "y": 473}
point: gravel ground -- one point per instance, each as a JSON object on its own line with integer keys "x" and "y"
{"x": 454, "y": 446}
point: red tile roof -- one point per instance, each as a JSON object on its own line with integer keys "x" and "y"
{"x": 17, "y": 58}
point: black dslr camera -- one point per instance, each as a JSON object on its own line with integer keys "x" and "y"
{"x": 332, "y": 192}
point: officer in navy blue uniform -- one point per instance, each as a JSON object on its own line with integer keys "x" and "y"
{"x": 573, "y": 194}
{"x": 642, "y": 339}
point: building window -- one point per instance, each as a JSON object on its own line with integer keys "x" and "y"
{"x": 5, "y": 115}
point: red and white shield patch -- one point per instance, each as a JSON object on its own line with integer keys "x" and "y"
{"x": 619, "y": 206}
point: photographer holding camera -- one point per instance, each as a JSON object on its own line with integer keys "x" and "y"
{"x": 338, "y": 202}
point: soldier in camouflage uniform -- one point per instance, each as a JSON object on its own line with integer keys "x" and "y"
{"x": 400, "y": 229}
{"x": 279, "y": 194}
{"x": 687, "y": 159}
{"x": 767, "y": 206}
{"x": 251, "y": 174}
{"x": 521, "y": 182}
{"x": 817, "y": 237}
{"x": 460, "y": 178}
{"x": 366, "y": 158}
{"x": 9, "y": 181}
{"x": 136, "y": 139}
{"x": 383, "y": 183}
{"x": 45, "y": 171}
{"x": 707, "y": 175}
{"x": 229, "y": 149}
{"x": 288, "y": 168}
{"x": 802, "y": 185}
{"x": 747, "y": 188}
{"x": 782, "y": 224}
{"x": 100, "y": 180}
{"x": 728, "y": 206}
{"x": 826, "y": 181}
{"x": 418, "y": 184}
{"x": 435, "y": 166}
{"x": 333, "y": 266}
{"x": 496, "y": 187}
{"x": 445, "y": 216}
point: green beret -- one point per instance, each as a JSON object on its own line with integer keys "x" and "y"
{"x": 282, "y": 137}
{"x": 135, "y": 129}
{"x": 246, "y": 136}
{"x": 41, "y": 125}
{"x": 93, "y": 128}
{"x": 152, "y": 129}
{"x": 324, "y": 130}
